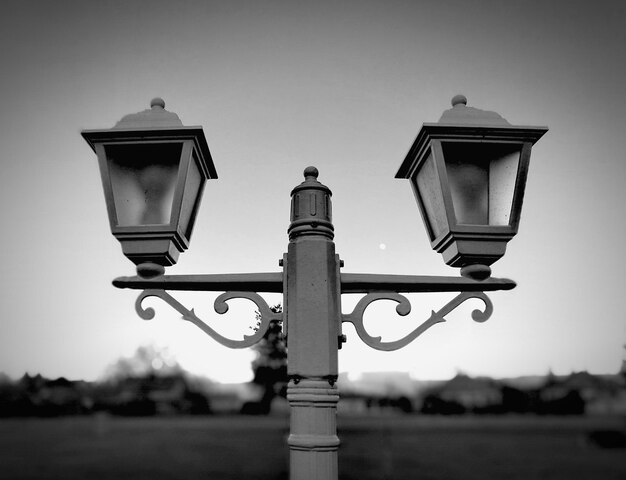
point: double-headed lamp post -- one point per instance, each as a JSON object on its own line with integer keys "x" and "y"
{"x": 468, "y": 172}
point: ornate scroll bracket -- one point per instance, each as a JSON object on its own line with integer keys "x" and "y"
{"x": 221, "y": 307}
{"x": 403, "y": 308}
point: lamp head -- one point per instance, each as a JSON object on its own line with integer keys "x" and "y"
{"x": 153, "y": 172}
{"x": 468, "y": 172}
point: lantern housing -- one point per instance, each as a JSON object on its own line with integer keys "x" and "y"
{"x": 468, "y": 173}
{"x": 153, "y": 172}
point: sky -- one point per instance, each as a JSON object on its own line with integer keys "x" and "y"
{"x": 341, "y": 85}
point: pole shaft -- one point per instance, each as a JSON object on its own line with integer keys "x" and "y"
{"x": 312, "y": 326}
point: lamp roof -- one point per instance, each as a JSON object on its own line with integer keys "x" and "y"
{"x": 158, "y": 124}
{"x": 465, "y": 123}
{"x": 461, "y": 114}
{"x": 154, "y": 117}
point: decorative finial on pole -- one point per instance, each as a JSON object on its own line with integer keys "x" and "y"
{"x": 311, "y": 211}
{"x": 311, "y": 173}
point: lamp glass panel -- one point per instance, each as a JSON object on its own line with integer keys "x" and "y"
{"x": 191, "y": 198}
{"x": 143, "y": 180}
{"x": 482, "y": 179}
{"x": 502, "y": 178}
{"x": 428, "y": 191}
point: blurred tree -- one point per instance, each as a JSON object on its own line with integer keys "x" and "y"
{"x": 147, "y": 360}
{"x": 270, "y": 364}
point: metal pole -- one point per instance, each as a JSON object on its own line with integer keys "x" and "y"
{"x": 313, "y": 329}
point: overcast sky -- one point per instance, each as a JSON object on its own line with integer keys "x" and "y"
{"x": 344, "y": 86}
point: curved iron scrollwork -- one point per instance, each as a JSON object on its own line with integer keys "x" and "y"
{"x": 221, "y": 307}
{"x": 404, "y": 308}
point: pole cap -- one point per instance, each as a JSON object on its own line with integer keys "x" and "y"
{"x": 311, "y": 210}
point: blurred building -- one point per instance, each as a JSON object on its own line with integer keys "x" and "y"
{"x": 464, "y": 394}
{"x": 582, "y": 392}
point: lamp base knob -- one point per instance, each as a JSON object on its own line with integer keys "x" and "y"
{"x": 476, "y": 272}
{"x": 150, "y": 270}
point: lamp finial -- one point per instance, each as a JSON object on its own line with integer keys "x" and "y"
{"x": 459, "y": 99}
{"x": 157, "y": 102}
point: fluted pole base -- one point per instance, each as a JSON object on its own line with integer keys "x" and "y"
{"x": 313, "y": 441}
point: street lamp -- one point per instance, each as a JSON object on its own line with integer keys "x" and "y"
{"x": 153, "y": 172}
{"x": 468, "y": 172}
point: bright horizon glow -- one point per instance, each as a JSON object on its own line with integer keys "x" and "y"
{"x": 344, "y": 86}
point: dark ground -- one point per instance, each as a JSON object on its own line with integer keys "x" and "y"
{"x": 379, "y": 447}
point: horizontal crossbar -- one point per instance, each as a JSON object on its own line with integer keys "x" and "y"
{"x": 350, "y": 283}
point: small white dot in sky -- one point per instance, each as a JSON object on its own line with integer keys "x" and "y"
{"x": 382, "y": 246}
